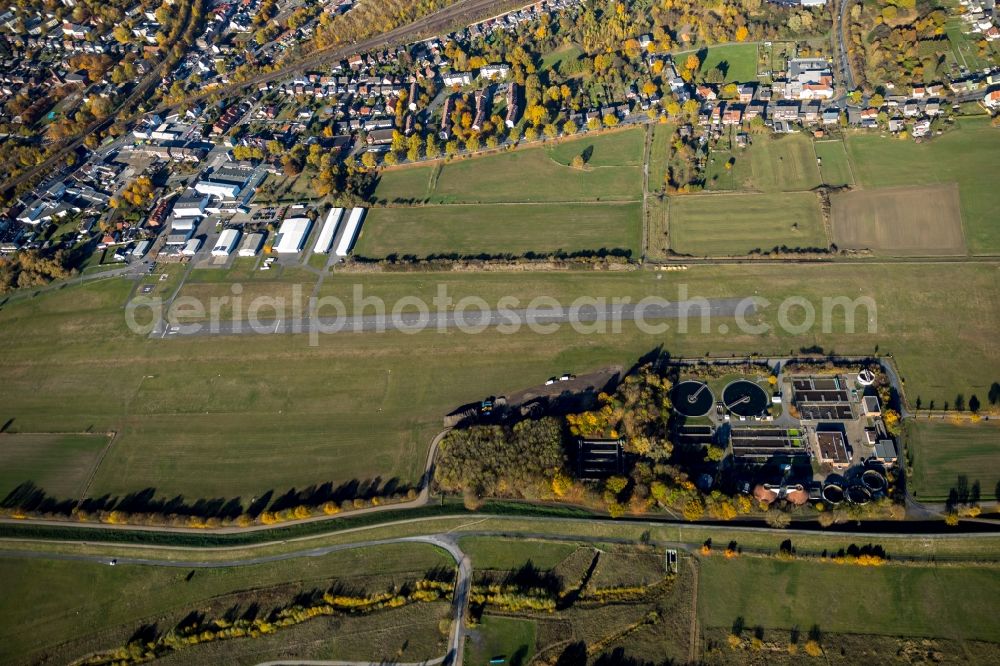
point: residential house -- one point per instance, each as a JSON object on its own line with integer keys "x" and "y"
{"x": 456, "y": 78}
{"x": 491, "y": 72}
{"x": 992, "y": 99}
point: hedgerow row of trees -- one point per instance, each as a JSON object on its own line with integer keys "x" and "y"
{"x": 332, "y": 603}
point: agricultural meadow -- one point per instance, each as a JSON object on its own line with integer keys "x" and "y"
{"x": 950, "y": 456}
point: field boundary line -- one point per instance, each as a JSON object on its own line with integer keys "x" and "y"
{"x": 647, "y": 147}
{"x": 693, "y": 635}
{"x": 855, "y": 182}
{"x": 741, "y": 193}
{"x": 96, "y": 466}
{"x": 666, "y": 224}
{"x": 587, "y": 168}
{"x": 592, "y": 202}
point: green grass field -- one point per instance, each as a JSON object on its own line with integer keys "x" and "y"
{"x": 59, "y": 463}
{"x": 528, "y": 175}
{"x": 772, "y": 163}
{"x": 942, "y": 452}
{"x": 507, "y": 638}
{"x": 560, "y": 55}
{"x": 966, "y": 49}
{"x": 967, "y": 157}
{"x": 614, "y": 149}
{"x": 780, "y": 163}
{"x": 658, "y": 152}
{"x": 409, "y": 183}
{"x": 836, "y": 169}
{"x": 933, "y": 602}
{"x": 732, "y": 224}
{"x": 738, "y": 60}
{"x": 73, "y": 600}
{"x": 503, "y": 554}
{"x": 208, "y": 417}
{"x": 500, "y": 229}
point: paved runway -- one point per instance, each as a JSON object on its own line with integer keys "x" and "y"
{"x": 590, "y": 318}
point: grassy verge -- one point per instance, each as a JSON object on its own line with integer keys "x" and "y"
{"x": 495, "y": 517}
{"x": 510, "y": 639}
{"x": 493, "y": 553}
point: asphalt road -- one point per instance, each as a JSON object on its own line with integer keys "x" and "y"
{"x": 473, "y": 320}
{"x": 845, "y": 64}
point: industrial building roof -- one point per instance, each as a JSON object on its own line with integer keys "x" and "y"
{"x": 292, "y": 235}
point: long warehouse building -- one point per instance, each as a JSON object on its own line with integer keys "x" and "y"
{"x": 291, "y": 235}
{"x": 329, "y": 230}
{"x": 351, "y": 230}
{"x": 226, "y": 243}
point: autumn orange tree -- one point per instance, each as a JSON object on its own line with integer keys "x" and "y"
{"x": 638, "y": 412}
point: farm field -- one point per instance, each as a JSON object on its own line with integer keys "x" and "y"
{"x": 942, "y": 452}
{"x": 778, "y": 163}
{"x": 901, "y": 220}
{"x": 102, "y": 606}
{"x": 609, "y": 149}
{"x": 733, "y": 224}
{"x": 836, "y": 168}
{"x": 500, "y": 229}
{"x": 407, "y": 184}
{"x": 889, "y": 600}
{"x": 528, "y": 175}
{"x": 59, "y": 463}
{"x": 966, "y": 157}
{"x": 738, "y": 61}
{"x": 235, "y": 417}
